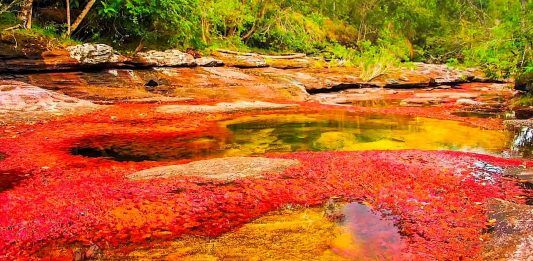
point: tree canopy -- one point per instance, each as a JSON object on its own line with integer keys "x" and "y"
{"x": 494, "y": 34}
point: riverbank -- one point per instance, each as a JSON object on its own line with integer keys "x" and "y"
{"x": 423, "y": 147}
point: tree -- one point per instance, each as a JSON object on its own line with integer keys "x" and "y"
{"x": 25, "y": 15}
{"x": 80, "y": 18}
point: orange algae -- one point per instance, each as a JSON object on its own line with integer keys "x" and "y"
{"x": 69, "y": 200}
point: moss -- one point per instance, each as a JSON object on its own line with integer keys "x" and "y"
{"x": 523, "y": 101}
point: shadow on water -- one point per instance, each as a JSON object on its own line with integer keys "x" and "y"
{"x": 370, "y": 235}
{"x": 142, "y": 148}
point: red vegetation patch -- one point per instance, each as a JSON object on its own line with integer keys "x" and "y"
{"x": 71, "y": 200}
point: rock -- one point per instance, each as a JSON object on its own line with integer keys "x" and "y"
{"x": 420, "y": 101}
{"x": 151, "y": 83}
{"x": 247, "y": 60}
{"x": 94, "y": 54}
{"x": 208, "y": 62}
{"x": 224, "y": 107}
{"x": 468, "y": 102}
{"x": 512, "y": 236}
{"x": 524, "y": 113}
{"x": 519, "y": 123}
{"x": 22, "y": 101}
{"x": 226, "y": 169}
{"x": 168, "y": 58}
{"x": 449, "y": 95}
{"x": 288, "y": 63}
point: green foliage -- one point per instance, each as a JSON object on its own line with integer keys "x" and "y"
{"x": 495, "y": 35}
{"x": 523, "y": 101}
{"x": 168, "y": 22}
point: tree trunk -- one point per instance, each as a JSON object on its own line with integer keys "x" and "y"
{"x": 80, "y": 18}
{"x": 25, "y": 15}
{"x": 68, "y": 17}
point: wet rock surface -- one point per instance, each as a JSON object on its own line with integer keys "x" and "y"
{"x": 512, "y": 233}
{"x": 224, "y": 107}
{"x": 226, "y": 169}
{"x": 239, "y": 60}
{"x": 19, "y": 100}
{"x": 208, "y": 62}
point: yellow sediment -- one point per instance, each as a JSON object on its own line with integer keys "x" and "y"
{"x": 304, "y": 234}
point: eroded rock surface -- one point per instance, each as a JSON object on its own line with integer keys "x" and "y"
{"x": 18, "y": 99}
{"x": 224, "y": 107}
{"x": 512, "y": 236}
{"x": 227, "y": 169}
{"x": 241, "y": 60}
{"x": 208, "y": 62}
{"x": 94, "y": 54}
{"x": 171, "y": 58}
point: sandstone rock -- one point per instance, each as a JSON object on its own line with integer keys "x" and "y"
{"x": 208, "y": 62}
{"x": 168, "y": 58}
{"x": 288, "y": 63}
{"x": 420, "y": 101}
{"x": 226, "y": 169}
{"x": 512, "y": 236}
{"x": 519, "y": 123}
{"x": 247, "y": 60}
{"x": 449, "y": 95}
{"x": 94, "y": 54}
{"x": 22, "y": 101}
{"x": 224, "y": 107}
{"x": 468, "y": 102}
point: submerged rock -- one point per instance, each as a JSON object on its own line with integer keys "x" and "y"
{"x": 224, "y": 107}
{"x": 227, "y": 169}
{"x": 420, "y": 101}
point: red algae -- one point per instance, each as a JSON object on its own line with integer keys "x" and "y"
{"x": 69, "y": 201}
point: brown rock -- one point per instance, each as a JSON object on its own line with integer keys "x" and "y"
{"x": 20, "y": 100}
{"x": 512, "y": 236}
{"x": 420, "y": 101}
{"x": 208, "y": 62}
{"x": 226, "y": 169}
{"x": 524, "y": 113}
{"x": 248, "y": 60}
{"x": 224, "y": 107}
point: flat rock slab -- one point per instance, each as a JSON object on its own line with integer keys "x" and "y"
{"x": 224, "y": 107}
{"x": 20, "y": 102}
{"x": 226, "y": 169}
{"x": 19, "y": 96}
{"x": 512, "y": 236}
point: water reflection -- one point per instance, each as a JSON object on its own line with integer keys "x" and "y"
{"x": 256, "y": 135}
{"x": 370, "y": 236}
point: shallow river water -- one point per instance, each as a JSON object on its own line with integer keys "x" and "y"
{"x": 260, "y": 134}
